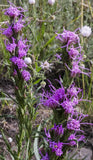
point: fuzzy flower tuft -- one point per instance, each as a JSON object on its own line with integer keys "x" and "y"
{"x": 86, "y": 31}
{"x": 31, "y": 1}
{"x": 51, "y": 2}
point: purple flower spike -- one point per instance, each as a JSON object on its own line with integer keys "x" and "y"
{"x": 26, "y": 75}
{"x": 8, "y": 32}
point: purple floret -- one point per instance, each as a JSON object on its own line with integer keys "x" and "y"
{"x": 68, "y": 106}
{"x": 58, "y": 129}
{"x": 73, "y": 91}
{"x": 73, "y": 124}
{"x": 19, "y": 62}
{"x": 53, "y": 100}
{"x": 22, "y": 44}
{"x": 56, "y": 147}
{"x": 68, "y": 37}
{"x": 26, "y": 75}
{"x": 11, "y": 46}
{"x": 13, "y": 11}
{"x": 18, "y": 26}
{"x": 8, "y": 32}
{"x": 46, "y": 157}
{"x": 73, "y": 53}
{"x": 22, "y": 53}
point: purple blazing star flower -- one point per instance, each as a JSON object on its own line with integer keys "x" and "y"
{"x": 77, "y": 69}
{"x": 58, "y": 129}
{"x": 22, "y": 44}
{"x": 13, "y": 59}
{"x": 72, "y": 137}
{"x": 58, "y": 56}
{"x": 13, "y": 11}
{"x": 52, "y": 100}
{"x": 73, "y": 91}
{"x": 19, "y": 62}
{"x": 73, "y": 53}
{"x": 15, "y": 72}
{"x": 68, "y": 37}
{"x": 26, "y": 75}
{"x": 22, "y": 53}
{"x": 68, "y": 106}
{"x": 56, "y": 147}
{"x": 59, "y": 94}
{"x": 73, "y": 124}
{"x": 46, "y": 157}
{"x": 47, "y": 133}
{"x": 18, "y": 25}
{"x": 8, "y": 32}
{"x": 72, "y": 143}
{"x": 11, "y": 46}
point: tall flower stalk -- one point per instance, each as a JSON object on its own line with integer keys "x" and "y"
{"x": 66, "y": 131}
{"x": 18, "y": 48}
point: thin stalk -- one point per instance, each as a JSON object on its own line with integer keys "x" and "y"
{"x": 82, "y": 7}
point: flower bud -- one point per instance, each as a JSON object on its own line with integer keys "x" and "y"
{"x": 51, "y": 2}
{"x": 43, "y": 84}
{"x": 31, "y": 1}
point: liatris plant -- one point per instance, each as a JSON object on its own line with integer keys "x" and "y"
{"x": 66, "y": 131}
{"x": 25, "y": 98}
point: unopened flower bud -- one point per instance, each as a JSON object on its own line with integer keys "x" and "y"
{"x": 27, "y": 60}
{"x": 53, "y": 17}
{"x": 84, "y": 56}
{"x": 51, "y": 2}
{"x": 32, "y": 1}
{"x": 43, "y": 84}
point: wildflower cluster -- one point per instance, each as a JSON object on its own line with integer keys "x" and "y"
{"x": 71, "y": 41}
{"x": 66, "y": 131}
{"x": 15, "y": 45}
